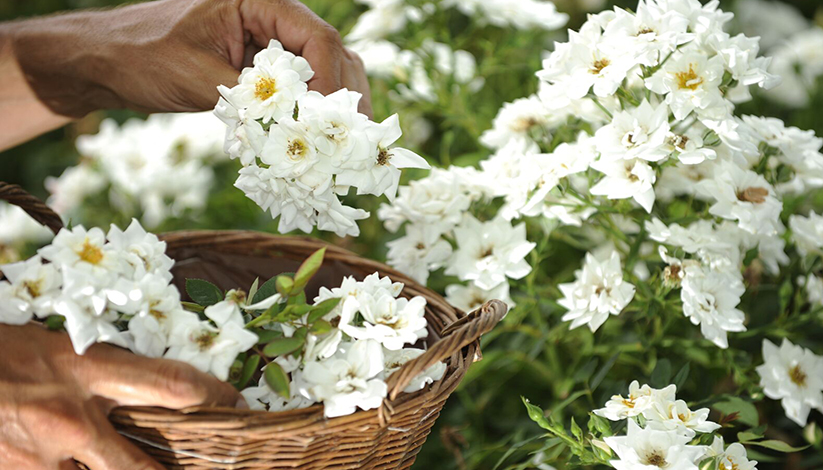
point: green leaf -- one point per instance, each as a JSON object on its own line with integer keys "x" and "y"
{"x": 55, "y": 322}
{"x": 662, "y": 374}
{"x": 747, "y": 412}
{"x": 785, "y": 295}
{"x": 203, "y": 292}
{"x": 192, "y": 307}
{"x": 277, "y": 379}
{"x": 268, "y": 289}
{"x": 682, "y": 375}
{"x": 298, "y": 298}
{"x": 266, "y": 336}
{"x": 322, "y": 309}
{"x": 751, "y": 255}
{"x": 576, "y": 431}
{"x": 249, "y": 368}
{"x": 601, "y": 374}
{"x": 779, "y": 446}
{"x": 746, "y": 436}
{"x": 281, "y": 346}
{"x": 320, "y": 327}
{"x": 708, "y": 464}
{"x": 284, "y": 285}
{"x": 309, "y": 268}
{"x": 253, "y": 289}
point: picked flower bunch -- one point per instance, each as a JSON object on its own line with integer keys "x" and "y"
{"x": 116, "y": 288}
{"x": 301, "y": 150}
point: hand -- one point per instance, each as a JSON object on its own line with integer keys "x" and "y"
{"x": 53, "y": 403}
{"x": 170, "y": 55}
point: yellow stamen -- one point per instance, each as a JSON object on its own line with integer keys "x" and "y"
{"x": 265, "y": 88}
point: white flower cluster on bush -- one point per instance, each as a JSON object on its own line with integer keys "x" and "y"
{"x": 301, "y": 150}
{"x": 793, "y": 375}
{"x": 660, "y": 432}
{"x": 346, "y": 367}
{"x": 158, "y": 167}
{"x": 634, "y": 119}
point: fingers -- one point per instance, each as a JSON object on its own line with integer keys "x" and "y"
{"x": 108, "y": 450}
{"x": 304, "y": 33}
{"x": 213, "y": 71}
{"x": 129, "y": 379}
{"x": 68, "y": 465}
{"x": 355, "y": 78}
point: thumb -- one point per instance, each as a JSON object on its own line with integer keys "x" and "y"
{"x": 211, "y": 72}
{"x": 129, "y": 379}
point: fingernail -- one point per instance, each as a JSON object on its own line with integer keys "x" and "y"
{"x": 241, "y": 404}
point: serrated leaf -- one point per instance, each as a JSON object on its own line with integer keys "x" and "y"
{"x": 283, "y": 285}
{"x": 203, "y": 292}
{"x": 662, "y": 374}
{"x": 322, "y": 309}
{"x": 779, "y": 446}
{"x": 309, "y": 268}
{"x": 249, "y": 368}
{"x": 320, "y": 327}
{"x": 281, "y": 346}
{"x": 746, "y": 411}
{"x": 277, "y": 379}
{"x": 268, "y": 289}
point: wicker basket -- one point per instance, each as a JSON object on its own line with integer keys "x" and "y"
{"x": 222, "y": 438}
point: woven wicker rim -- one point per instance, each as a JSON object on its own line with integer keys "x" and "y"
{"x": 464, "y": 331}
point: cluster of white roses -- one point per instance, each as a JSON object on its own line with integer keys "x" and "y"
{"x": 793, "y": 375}
{"x": 637, "y": 107}
{"x": 345, "y": 368}
{"x": 158, "y": 168}
{"x": 300, "y": 150}
{"x": 116, "y": 288}
{"x": 660, "y": 431}
{"x": 434, "y": 212}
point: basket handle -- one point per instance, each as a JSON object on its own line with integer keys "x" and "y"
{"x": 454, "y": 337}
{"x": 37, "y": 209}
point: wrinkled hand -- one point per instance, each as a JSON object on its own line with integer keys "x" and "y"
{"x": 170, "y": 55}
{"x": 53, "y": 403}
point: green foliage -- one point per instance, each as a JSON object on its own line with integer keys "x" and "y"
{"x": 204, "y": 293}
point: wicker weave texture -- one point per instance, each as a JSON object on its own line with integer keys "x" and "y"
{"x": 228, "y": 439}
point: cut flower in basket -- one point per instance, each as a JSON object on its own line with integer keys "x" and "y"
{"x": 340, "y": 349}
{"x": 115, "y": 287}
{"x": 301, "y": 150}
